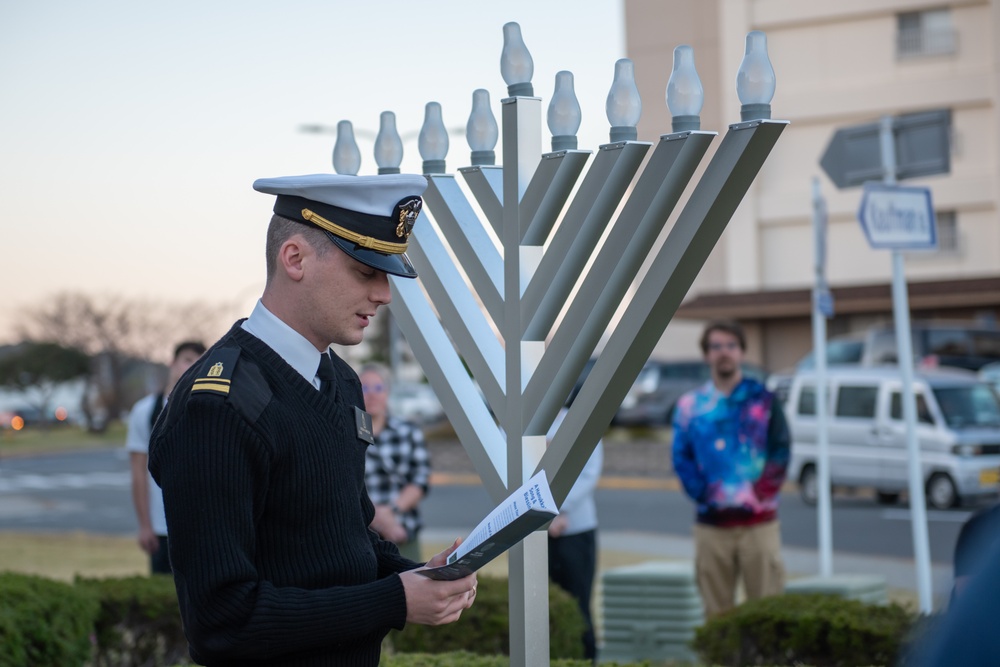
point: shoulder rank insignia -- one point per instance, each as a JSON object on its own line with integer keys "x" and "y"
{"x": 217, "y": 372}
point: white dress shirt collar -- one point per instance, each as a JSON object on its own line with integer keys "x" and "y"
{"x": 290, "y": 345}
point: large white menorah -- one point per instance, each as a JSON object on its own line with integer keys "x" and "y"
{"x": 484, "y": 321}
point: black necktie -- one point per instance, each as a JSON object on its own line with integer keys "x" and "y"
{"x": 325, "y": 373}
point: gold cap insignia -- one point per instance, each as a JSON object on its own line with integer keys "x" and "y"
{"x": 216, "y": 370}
{"x": 408, "y": 210}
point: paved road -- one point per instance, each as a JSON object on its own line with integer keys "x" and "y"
{"x": 89, "y": 491}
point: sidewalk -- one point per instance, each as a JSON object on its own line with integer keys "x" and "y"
{"x": 644, "y": 464}
{"x": 626, "y": 548}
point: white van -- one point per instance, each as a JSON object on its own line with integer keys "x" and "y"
{"x": 958, "y": 428}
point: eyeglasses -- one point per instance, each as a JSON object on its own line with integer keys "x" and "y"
{"x": 373, "y": 388}
{"x": 718, "y": 347}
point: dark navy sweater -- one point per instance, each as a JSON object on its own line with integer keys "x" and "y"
{"x": 267, "y": 513}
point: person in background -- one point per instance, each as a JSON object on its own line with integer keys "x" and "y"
{"x": 978, "y": 535}
{"x": 397, "y": 466}
{"x": 966, "y": 634}
{"x": 261, "y": 449}
{"x": 573, "y": 536}
{"x": 146, "y": 495}
{"x": 730, "y": 452}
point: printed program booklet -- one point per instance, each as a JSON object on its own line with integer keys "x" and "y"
{"x": 525, "y": 510}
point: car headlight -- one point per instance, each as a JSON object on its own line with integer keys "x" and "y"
{"x": 967, "y": 450}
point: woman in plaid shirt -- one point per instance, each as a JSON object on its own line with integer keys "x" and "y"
{"x": 397, "y": 467}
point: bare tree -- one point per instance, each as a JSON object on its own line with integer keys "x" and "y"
{"x": 115, "y": 331}
{"x": 35, "y": 369}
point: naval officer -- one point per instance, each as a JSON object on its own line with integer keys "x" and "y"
{"x": 261, "y": 452}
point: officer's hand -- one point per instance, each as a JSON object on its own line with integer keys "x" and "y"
{"x": 442, "y": 558}
{"x": 432, "y": 602}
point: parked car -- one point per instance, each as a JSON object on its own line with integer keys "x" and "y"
{"x": 415, "y": 401}
{"x": 990, "y": 373}
{"x": 958, "y": 432}
{"x": 934, "y": 344}
{"x": 651, "y": 400}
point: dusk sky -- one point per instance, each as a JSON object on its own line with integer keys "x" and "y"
{"x": 130, "y": 133}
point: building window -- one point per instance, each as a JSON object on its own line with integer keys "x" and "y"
{"x": 947, "y": 231}
{"x": 926, "y": 33}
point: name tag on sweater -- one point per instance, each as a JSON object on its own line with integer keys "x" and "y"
{"x": 363, "y": 420}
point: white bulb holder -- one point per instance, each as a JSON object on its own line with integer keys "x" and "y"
{"x": 516, "y": 65}
{"x": 482, "y": 131}
{"x": 624, "y": 106}
{"x": 755, "y": 80}
{"x": 388, "y": 145}
{"x": 564, "y": 114}
{"x": 685, "y": 94}
{"x": 433, "y": 140}
{"x": 346, "y": 155}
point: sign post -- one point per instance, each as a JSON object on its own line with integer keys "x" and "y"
{"x": 898, "y": 218}
{"x": 920, "y": 143}
{"x": 822, "y": 309}
{"x": 902, "y": 218}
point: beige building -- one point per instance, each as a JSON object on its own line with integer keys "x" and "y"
{"x": 837, "y": 64}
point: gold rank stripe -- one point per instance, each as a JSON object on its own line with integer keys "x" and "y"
{"x": 211, "y": 385}
{"x": 362, "y": 240}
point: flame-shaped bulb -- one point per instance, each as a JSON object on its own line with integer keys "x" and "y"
{"x": 516, "y": 65}
{"x": 624, "y": 106}
{"x": 433, "y": 140}
{"x": 755, "y": 80}
{"x": 564, "y": 113}
{"x": 685, "y": 95}
{"x": 388, "y": 145}
{"x": 481, "y": 131}
{"x": 346, "y": 155}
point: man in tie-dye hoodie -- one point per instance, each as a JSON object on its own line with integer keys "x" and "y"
{"x": 730, "y": 451}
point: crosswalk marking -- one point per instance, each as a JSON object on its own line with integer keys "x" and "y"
{"x": 30, "y": 482}
{"x": 932, "y": 515}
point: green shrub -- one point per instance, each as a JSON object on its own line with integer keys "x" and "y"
{"x": 817, "y": 629}
{"x": 139, "y": 621}
{"x": 44, "y": 622}
{"x": 466, "y": 659}
{"x": 484, "y": 628}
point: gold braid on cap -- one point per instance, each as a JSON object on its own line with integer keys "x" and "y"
{"x": 362, "y": 240}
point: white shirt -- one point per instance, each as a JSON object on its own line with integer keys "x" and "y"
{"x": 579, "y": 505}
{"x": 290, "y": 345}
{"x": 137, "y": 440}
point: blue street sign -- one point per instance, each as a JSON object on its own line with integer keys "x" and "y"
{"x": 896, "y": 217}
{"x": 824, "y": 302}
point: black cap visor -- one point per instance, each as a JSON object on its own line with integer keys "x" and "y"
{"x": 397, "y": 265}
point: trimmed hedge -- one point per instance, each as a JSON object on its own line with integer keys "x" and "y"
{"x": 44, "y": 622}
{"x": 139, "y": 622}
{"x": 466, "y": 659}
{"x": 817, "y": 629}
{"x": 463, "y": 659}
{"x": 484, "y": 628}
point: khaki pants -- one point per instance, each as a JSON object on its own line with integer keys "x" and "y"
{"x": 722, "y": 555}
